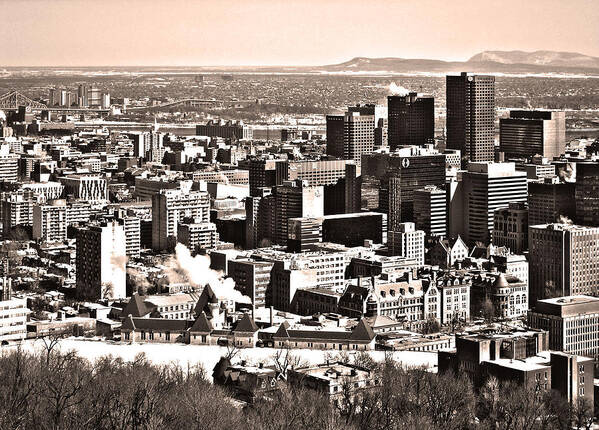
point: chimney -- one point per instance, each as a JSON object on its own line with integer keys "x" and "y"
{"x": 272, "y": 310}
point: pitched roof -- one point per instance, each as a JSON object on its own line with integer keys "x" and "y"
{"x": 282, "y": 330}
{"x": 362, "y": 332}
{"x": 128, "y": 324}
{"x": 246, "y": 324}
{"x": 201, "y": 324}
{"x": 380, "y": 321}
{"x": 206, "y": 297}
{"x": 158, "y": 324}
{"x": 136, "y": 307}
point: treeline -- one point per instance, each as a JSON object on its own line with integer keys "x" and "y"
{"x": 55, "y": 390}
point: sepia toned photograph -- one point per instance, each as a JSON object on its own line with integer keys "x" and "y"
{"x": 299, "y": 215}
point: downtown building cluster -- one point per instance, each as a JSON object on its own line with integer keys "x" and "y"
{"x": 345, "y": 243}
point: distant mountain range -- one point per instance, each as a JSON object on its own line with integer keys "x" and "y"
{"x": 484, "y": 62}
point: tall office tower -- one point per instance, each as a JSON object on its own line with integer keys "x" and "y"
{"x": 264, "y": 173}
{"x": 92, "y": 188}
{"x": 344, "y": 196}
{"x": 550, "y": 200}
{"x": 485, "y": 188}
{"x": 94, "y": 97}
{"x": 358, "y": 136}
{"x": 304, "y": 234}
{"x": 381, "y": 133}
{"x": 169, "y": 208}
{"x": 50, "y": 221}
{"x": 100, "y": 262}
{"x": 351, "y": 135}
{"x": 411, "y": 120}
{"x": 587, "y": 194}
{"x": 17, "y": 209}
{"x": 407, "y": 242}
{"x": 563, "y": 261}
{"x": 105, "y": 100}
{"x": 64, "y": 98}
{"x": 53, "y": 97}
{"x": 401, "y": 173}
{"x": 471, "y": 116}
{"x": 83, "y": 95}
{"x": 510, "y": 227}
{"x": 528, "y": 133}
{"x": 294, "y": 199}
{"x": 430, "y": 211}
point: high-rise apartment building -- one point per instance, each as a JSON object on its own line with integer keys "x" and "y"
{"x": 484, "y": 188}
{"x": 563, "y": 261}
{"x": 100, "y": 262}
{"x": 587, "y": 193}
{"x": 132, "y": 226}
{"x": 528, "y": 133}
{"x": 411, "y": 120}
{"x": 471, "y": 116}
{"x": 510, "y": 227}
{"x": 430, "y": 210}
{"x": 169, "y": 208}
{"x": 50, "y": 221}
{"x": 549, "y": 200}
{"x": 197, "y": 235}
{"x": 9, "y": 165}
{"x": 17, "y": 209}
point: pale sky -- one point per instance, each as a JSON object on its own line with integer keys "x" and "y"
{"x": 284, "y": 32}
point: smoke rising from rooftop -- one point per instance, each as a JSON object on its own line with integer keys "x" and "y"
{"x": 197, "y": 271}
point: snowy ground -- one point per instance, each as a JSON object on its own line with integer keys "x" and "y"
{"x": 208, "y": 356}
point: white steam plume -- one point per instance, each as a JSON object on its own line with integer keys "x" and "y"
{"x": 196, "y": 270}
{"x": 2, "y": 116}
{"x": 398, "y": 90}
{"x": 565, "y": 220}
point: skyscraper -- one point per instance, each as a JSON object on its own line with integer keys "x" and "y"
{"x": 430, "y": 210}
{"x": 100, "y": 262}
{"x": 563, "y": 261}
{"x": 405, "y": 171}
{"x": 549, "y": 200}
{"x": 50, "y": 221}
{"x": 471, "y": 116}
{"x": 485, "y": 188}
{"x": 351, "y": 135}
{"x": 411, "y": 120}
{"x": 528, "y": 133}
{"x": 294, "y": 199}
{"x": 587, "y": 193}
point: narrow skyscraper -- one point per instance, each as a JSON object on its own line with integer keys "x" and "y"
{"x": 471, "y": 116}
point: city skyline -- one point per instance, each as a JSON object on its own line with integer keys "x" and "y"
{"x": 234, "y": 33}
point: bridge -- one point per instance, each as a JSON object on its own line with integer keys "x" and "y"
{"x": 13, "y": 99}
